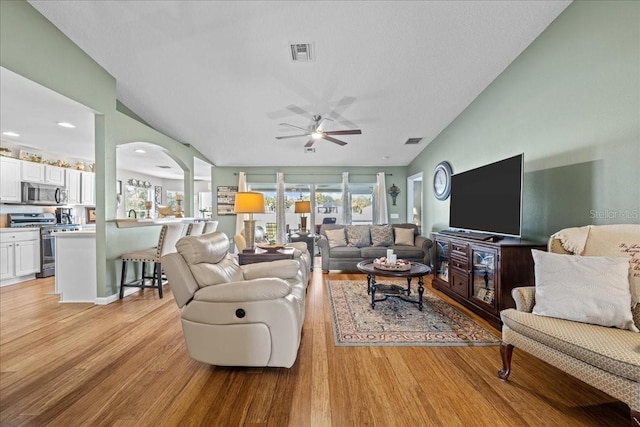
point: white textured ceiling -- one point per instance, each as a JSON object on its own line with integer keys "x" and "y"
{"x": 218, "y": 75}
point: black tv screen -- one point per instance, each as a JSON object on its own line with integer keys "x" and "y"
{"x": 489, "y": 198}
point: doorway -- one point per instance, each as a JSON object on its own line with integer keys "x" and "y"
{"x": 414, "y": 200}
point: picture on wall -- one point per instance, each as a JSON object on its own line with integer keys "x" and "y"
{"x": 226, "y": 198}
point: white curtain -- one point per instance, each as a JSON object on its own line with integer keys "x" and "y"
{"x": 381, "y": 214}
{"x": 242, "y": 187}
{"x": 281, "y": 232}
{"x": 312, "y": 216}
{"x": 346, "y": 199}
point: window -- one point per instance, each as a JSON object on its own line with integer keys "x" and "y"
{"x": 134, "y": 198}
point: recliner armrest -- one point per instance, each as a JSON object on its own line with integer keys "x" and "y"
{"x": 525, "y": 298}
{"x": 283, "y": 269}
{"x": 248, "y": 290}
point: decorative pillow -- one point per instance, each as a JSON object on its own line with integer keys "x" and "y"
{"x": 358, "y": 235}
{"x": 381, "y": 235}
{"x": 404, "y": 236}
{"x": 336, "y": 237}
{"x": 583, "y": 289}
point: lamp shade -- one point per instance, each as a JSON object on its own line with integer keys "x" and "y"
{"x": 249, "y": 202}
{"x": 302, "y": 206}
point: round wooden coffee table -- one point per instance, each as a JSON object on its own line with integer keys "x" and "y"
{"x": 417, "y": 270}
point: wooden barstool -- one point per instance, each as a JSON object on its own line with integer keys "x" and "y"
{"x": 169, "y": 235}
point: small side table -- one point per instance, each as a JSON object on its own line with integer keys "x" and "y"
{"x": 260, "y": 255}
{"x": 310, "y": 240}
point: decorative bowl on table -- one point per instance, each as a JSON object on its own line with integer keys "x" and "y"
{"x": 400, "y": 264}
{"x": 270, "y": 247}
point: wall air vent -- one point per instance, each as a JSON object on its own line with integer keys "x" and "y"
{"x": 413, "y": 141}
{"x": 309, "y": 150}
{"x": 301, "y": 52}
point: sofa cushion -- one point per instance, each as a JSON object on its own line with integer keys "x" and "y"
{"x": 381, "y": 235}
{"x": 584, "y": 289}
{"x": 345, "y": 252}
{"x": 610, "y": 349}
{"x": 336, "y": 237}
{"x": 358, "y": 235}
{"x": 404, "y": 236}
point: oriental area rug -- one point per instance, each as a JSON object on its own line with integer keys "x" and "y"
{"x": 395, "y": 322}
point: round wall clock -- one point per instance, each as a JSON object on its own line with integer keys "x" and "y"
{"x": 442, "y": 180}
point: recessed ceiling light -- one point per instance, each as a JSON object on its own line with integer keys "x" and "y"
{"x": 66, "y": 125}
{"x": 140, "y": 150}
{"x": 10, "y": 133}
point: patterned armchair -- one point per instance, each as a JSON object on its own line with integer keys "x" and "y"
{"x": 605, "y": 357}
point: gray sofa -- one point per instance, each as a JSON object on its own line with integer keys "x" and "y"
{"x": 346, "y": 257}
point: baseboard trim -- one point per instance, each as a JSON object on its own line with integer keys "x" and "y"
{"x": 115, "y": 297}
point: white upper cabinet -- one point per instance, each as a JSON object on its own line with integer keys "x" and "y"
{"x": 74, "y": 187}
{"x": 32, "y": 172}
{"x": 10, "y": 180}
{"x": 88, "y": 188}
{"x": 54, "y": 175}
{"x": 44, "y": 174}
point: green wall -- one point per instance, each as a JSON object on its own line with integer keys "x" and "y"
{"x": 32, "y": 47}
{"x": 571, "y": 103}
{"x": 225, "y": 176}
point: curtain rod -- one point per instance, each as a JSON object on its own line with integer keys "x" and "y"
{"x": 316, "y": 174}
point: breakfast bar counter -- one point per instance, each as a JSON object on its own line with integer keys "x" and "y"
{"x": 76, "y": 279}
{"x": 145, "y": 222}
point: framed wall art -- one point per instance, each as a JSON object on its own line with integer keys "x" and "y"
{"x": 226, "y": 198}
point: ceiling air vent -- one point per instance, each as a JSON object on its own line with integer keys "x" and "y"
{"x": 164, "y": 166}
{"x": 413, "y": 141}
{"x": 309, "y": 150}
{"x": 301, "y": 52}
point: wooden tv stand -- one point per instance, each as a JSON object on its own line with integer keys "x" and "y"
{"x": 481, "y": 274}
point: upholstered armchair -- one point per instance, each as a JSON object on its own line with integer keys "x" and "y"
{"x": 233, "y": 315}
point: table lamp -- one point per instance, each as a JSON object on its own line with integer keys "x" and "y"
{"x": 249, "y": 202}
{"x": 302, "y": 207}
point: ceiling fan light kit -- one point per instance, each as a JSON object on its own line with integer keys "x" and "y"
{"x": 315, "y": 132}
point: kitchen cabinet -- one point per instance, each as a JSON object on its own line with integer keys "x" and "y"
{"x": 43, "y": 174}
{"x": 54, "y": 175}
{"x": 32, "y": 172}
{"x": 88, "y": 188}
{"x": 10, "y": 180}
{"x": 74, "y": 187}
{"x": 19, "y": 255}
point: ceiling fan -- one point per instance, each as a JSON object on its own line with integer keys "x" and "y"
{"x": 315, "y": 132}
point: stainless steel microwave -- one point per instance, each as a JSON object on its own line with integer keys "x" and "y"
{"x": 42, "y": 194}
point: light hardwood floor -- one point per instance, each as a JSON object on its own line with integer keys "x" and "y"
{"x": 125, "y": 364}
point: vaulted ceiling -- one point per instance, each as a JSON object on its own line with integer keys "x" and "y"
{"x": 219, "y": 75}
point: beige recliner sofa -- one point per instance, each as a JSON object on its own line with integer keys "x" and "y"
{"x": 233, "y": 315}
{"x": 605, "y": 357}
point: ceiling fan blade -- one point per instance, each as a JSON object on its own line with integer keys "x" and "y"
{"x": 309, "y": 143}
{"x": 291, "y": 136}
{"x": 343, "y": 132}
{"x": 336, "y": 141}
{"x": 296, "y": 127}
{"x": 298, "y": 110}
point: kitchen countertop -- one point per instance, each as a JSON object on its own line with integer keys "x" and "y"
{"x": 17, "y": 229}
{"x": 74, "y": 233}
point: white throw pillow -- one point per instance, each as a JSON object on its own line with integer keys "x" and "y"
{"x": 336, "y": 237}
{"x": 583, "y": 289}
{"x": 404, "y": 236}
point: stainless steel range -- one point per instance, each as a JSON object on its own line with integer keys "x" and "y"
{"x": 47, "y": 224}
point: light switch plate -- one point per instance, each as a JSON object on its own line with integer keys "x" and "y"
{"x": 394, "y": 216}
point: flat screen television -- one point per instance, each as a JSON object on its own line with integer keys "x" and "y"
{"x": 488, "y": 199}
